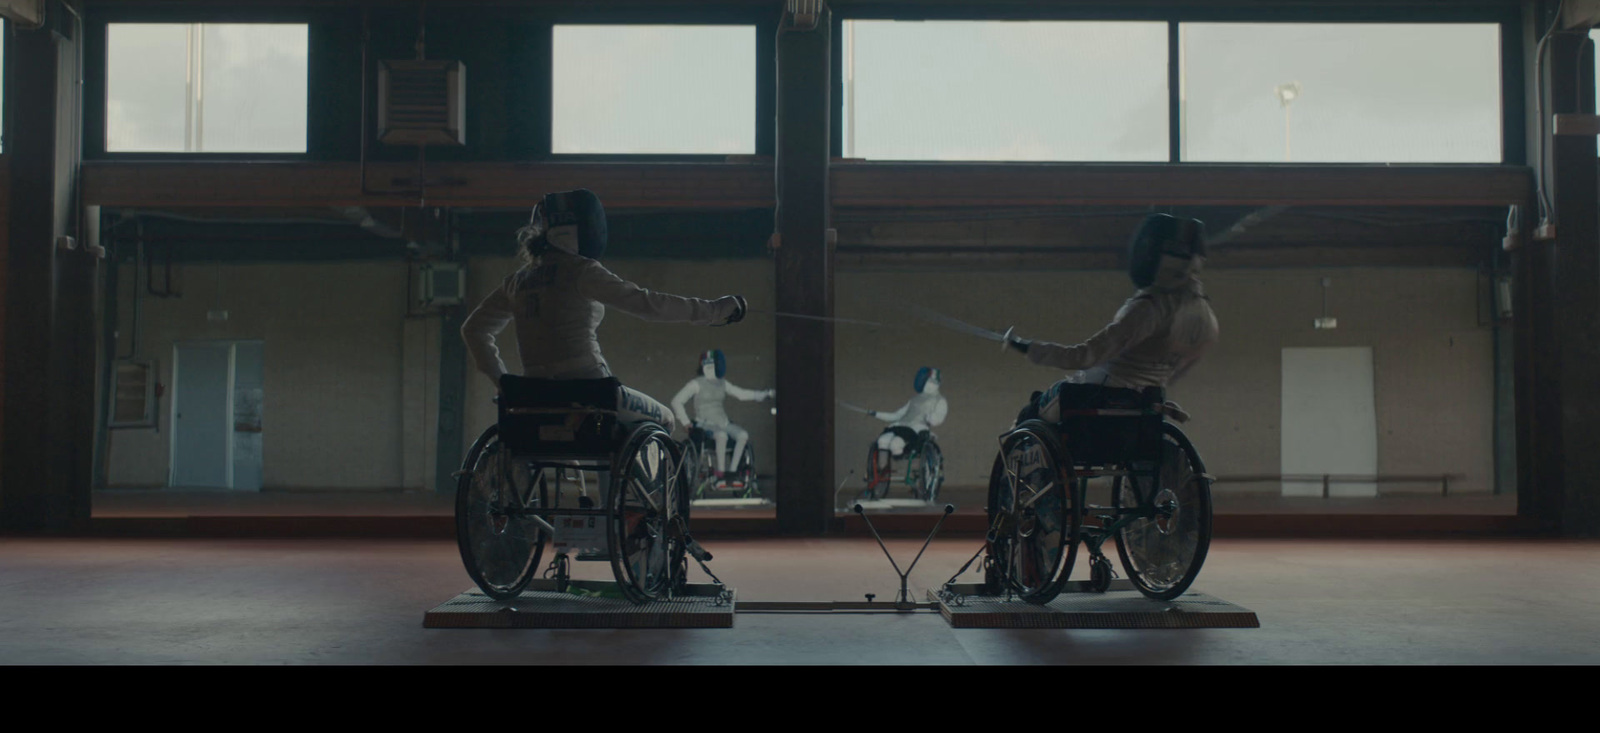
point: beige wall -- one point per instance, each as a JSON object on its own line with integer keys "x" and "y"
{"x": 351, "y": 383}
{"x": 1433, "y": 362}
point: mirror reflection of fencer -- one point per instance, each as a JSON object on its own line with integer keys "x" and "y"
{"x": 558, "y": 296}
{"x": 710, "y": 390}
{"x": 909, "y": 436}
{"x": 925, "y": 410}
{"x": 1157, "y": 335}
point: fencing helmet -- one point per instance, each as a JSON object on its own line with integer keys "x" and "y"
{"x": 1163, "y": 236}
{"x": 715, "y": 357}
{"x": 923, "y": 376}
{"x": 571, "y": 221}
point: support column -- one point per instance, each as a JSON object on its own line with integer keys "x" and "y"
{"x": 1559, "y": 361}
{"x": 452, "y": 398}
{"x": 46, "y": 464}
{"x": 804, "y": 279}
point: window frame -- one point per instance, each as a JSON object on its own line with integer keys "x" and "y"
{"x": 96, "y": 90}
{"x": 765, "y": 85}
{"x": 1513, "y": 126}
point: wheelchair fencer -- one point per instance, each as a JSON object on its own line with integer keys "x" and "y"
{"x": 909, "y": 438}
{"x": 714, "y": 466}
{"x": 1112, "y": 422}
{"x": 515, "y": 491}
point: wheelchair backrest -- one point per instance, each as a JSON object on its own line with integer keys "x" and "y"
{"x": 1106, "y": 426}
{"x": 566, "y": 417}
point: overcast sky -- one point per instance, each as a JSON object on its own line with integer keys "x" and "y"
{"x": 952, "y": 90}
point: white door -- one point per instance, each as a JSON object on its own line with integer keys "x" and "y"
{"x": 1330, "y": 422}
{"x": 216, "y": 415}
{"x": 202, "y": 415}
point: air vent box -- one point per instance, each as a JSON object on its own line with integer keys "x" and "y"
{"x": 422, "y": 103}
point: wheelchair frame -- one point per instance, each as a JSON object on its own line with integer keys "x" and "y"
{"x": 532, "y": 503}
{"x": 703, "y": 483}
{"x": 886, "y": 478}
{"x": 1143, "y": 477}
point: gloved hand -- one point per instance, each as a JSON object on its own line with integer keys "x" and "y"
{"x": 739, "y": 308}
{"x": 771, "y": 393}
{"x": 1021, "y": 345}
{"x": 872, "y": 413}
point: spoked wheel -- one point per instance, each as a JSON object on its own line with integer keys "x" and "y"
{"x": 647, "y": 515}
{"x": 932, "y": 472}
{"x": 1163, "y": 553}
{"x": 699, "y": 469}
{"x": 500, "y": 543}
{"x": 1034, "y": 515}
{"x": 880, "y": 472}
{"x": 747, "y": 469}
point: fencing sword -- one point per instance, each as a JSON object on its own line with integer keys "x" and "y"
{"x": 962, "y": 326}
{"x": 854, "y": 408}
{"x": 828, "y": 319}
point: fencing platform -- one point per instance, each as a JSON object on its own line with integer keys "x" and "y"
{"x": 1120, "y": 607}
{"x": 542, "y": 607}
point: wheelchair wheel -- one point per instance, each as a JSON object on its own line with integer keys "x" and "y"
{"x": 1034, "y": 514}
{"x": 747, "y": 469}
{"x": 932, "y": 472}
{"x": 1163, "y": 554}
{"x": 499, "y": 545}
{"x": 647, "y": 516}
{"x": 699, "y": 469}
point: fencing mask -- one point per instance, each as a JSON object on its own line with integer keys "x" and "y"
{"x": 571, "y": 221}
{"x": 1162, "y": 236}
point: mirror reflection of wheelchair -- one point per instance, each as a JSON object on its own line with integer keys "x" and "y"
{"x": 700, "y": 467}
{"x": 559, "y": 466}
{"x": 1159, "y": 518}
{"x": 918, "y": 457}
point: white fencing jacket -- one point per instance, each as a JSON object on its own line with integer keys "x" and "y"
{"x": 1155, "y": 337}
{"x": 558, "y": 304}
{"x": 709, "y": 393}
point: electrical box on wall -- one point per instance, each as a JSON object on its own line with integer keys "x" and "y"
{"x": 441, "y": 284}
{"x": 422, "y": 103}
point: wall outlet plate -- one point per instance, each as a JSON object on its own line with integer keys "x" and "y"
{"x": 216, "y": 316}
{"x": 1325, "y": 324}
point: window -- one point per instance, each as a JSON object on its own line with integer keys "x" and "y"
{"x": 1340, "y": 93}
{"x": 1005, "y": 91}
{"x": 206, "y": 88}
{"x": 654, "y": 89}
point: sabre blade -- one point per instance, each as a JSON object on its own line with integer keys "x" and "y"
{"x": 956, "y": 325}
{"x": 849, "y": 406}
{"x": 828, "y": 319}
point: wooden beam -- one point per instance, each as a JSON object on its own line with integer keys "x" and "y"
{"x": 804, "y": 283}
{"x": 490, "y": 185}
{"x": 926, "y": 185}
{"x": 740, "y": 185}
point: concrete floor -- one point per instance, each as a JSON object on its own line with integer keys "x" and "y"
{"x": 105, "y": 601}
{"x": 143, "y": 503}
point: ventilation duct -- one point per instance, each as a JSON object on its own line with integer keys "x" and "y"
{"x": 422, "y": 103}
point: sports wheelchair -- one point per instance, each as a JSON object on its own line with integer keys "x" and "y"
{"x": 923, "y": 466}
{"x": 700, "y": 467}
{"x": 1160, "y": 516}
{"x": 524, "y": 481}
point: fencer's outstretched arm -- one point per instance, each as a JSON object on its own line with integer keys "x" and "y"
{"x": 487, "y": 320}
{"x": 689, "y": 390}
{"x": 892, "y": 416}
{"x": 604, "y": 286}
{"x": 1136, "y": 321}
{"x": 748, "y": 395}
